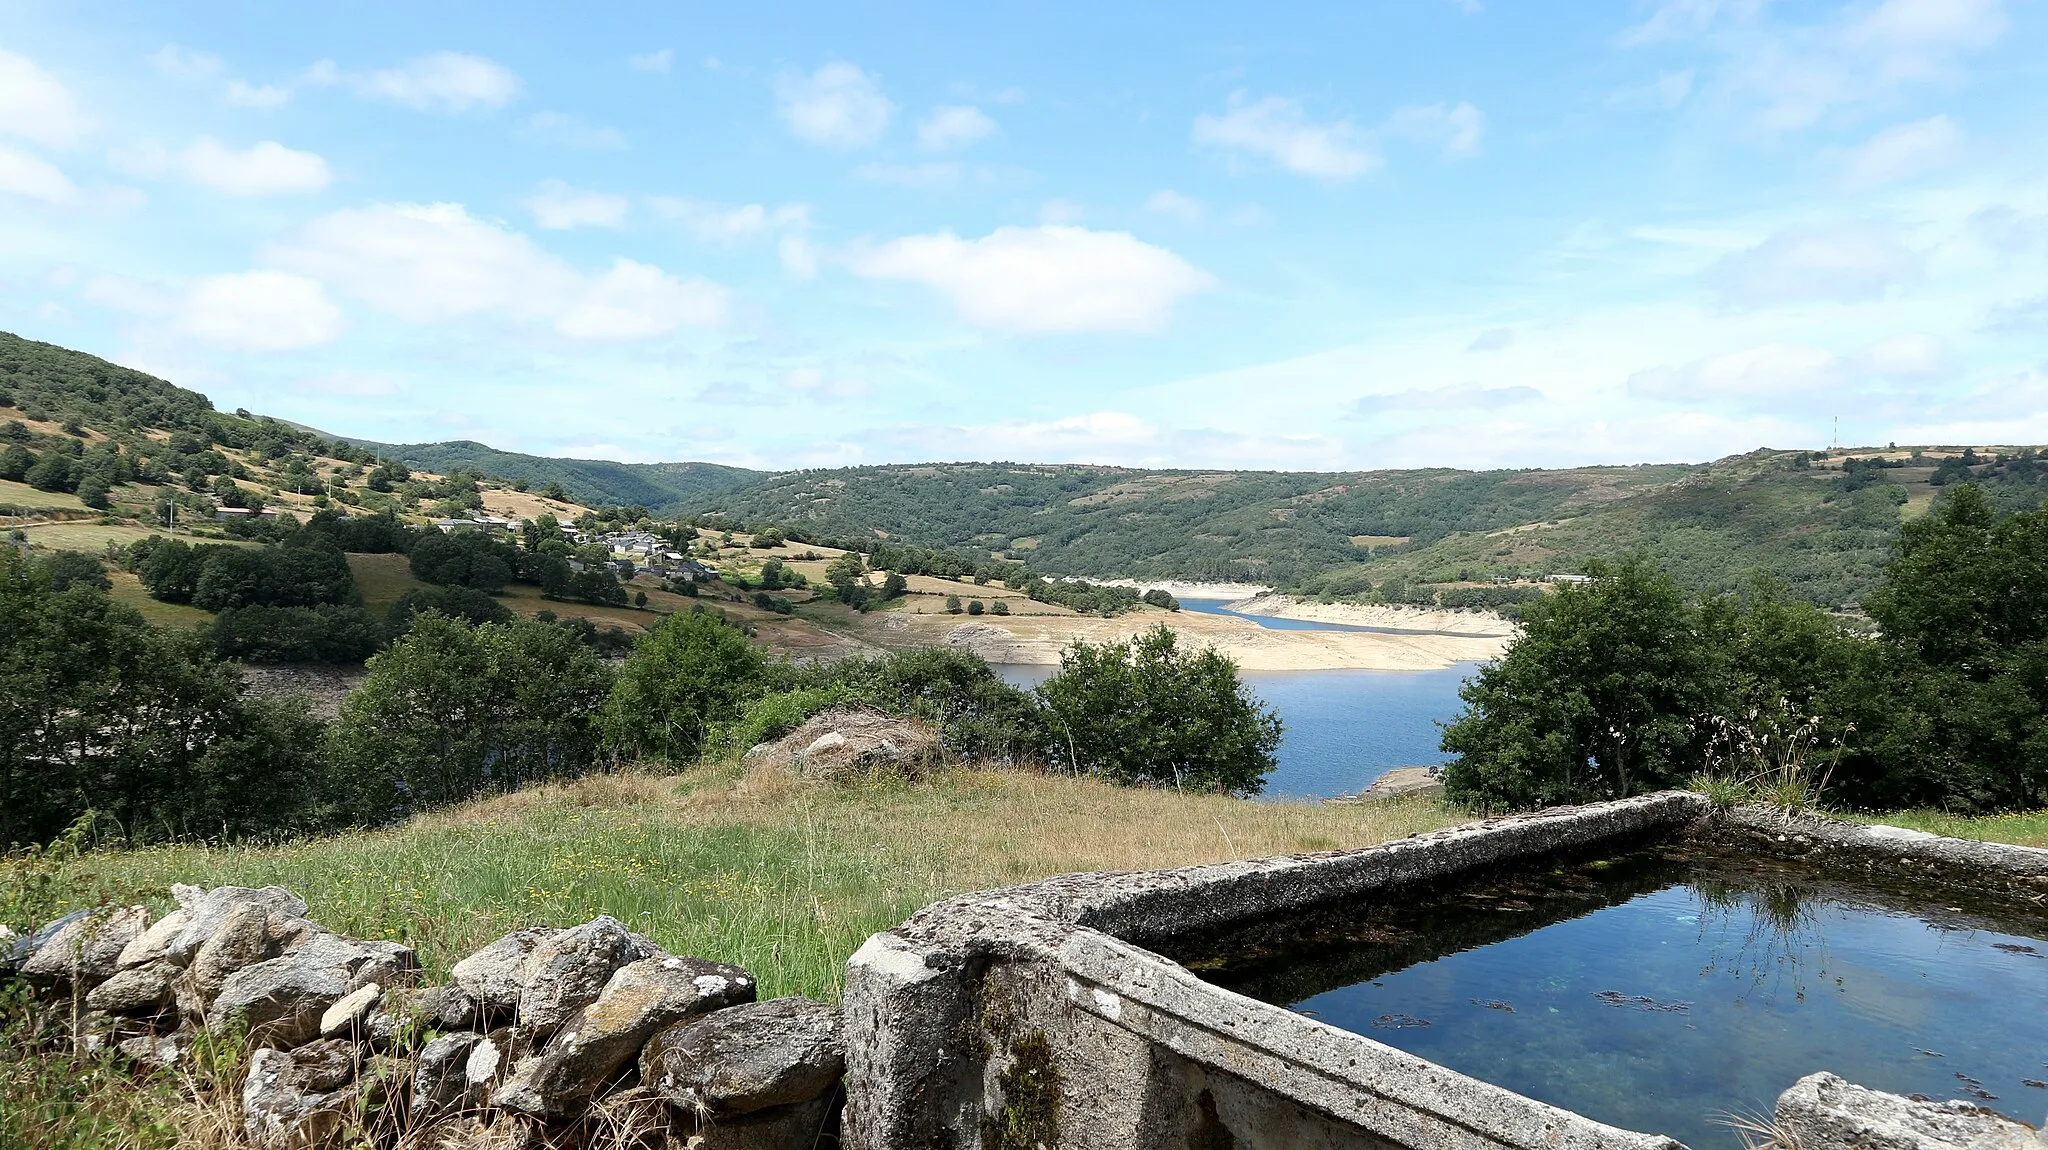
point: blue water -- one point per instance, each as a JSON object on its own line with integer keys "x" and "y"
{"x": 1275, "y": 623}
{"x": 1344, "y": 728}
{"x": 1699, "y": 992}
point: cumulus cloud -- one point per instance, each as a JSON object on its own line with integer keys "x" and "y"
{"x": 246, "y": 95}
{"x": 1456, "y": 128}
{"x": 1466, "y": 397}
{"x": 34, "y": 106}
{"x": 260, "y": 311}
{"x": 33, "y": 177}
{"x": 954, "y": 126}
{"x": 439, "y": 82}
{"x": 1045, "y": 279}
{"x": 1277, "y": 129}
{"x": 657, "y": 61}
{"x": 838, "y": 106}
{"x": 1116, "y": 437}
{"x": 1845, "y": 262}
{"x": 1167, "y": 202}
{"x": 1903, "y": 151}
{"x": 435, "y": 263}
{"x": 557, "y": 207}
{"x": 719, "y": 224}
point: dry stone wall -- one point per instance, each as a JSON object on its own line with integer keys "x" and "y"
{"x": 547, "y": 1037}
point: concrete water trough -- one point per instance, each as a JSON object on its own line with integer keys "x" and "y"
{"x": 1048, "y": 1015}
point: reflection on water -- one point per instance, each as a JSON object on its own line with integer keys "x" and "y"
{"x": 1344, "y": 728}
{"x": 1657, "y": 991}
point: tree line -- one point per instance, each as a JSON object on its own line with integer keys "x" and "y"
{"x": 1627, "y": 684}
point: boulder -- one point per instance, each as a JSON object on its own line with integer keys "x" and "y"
{"x": 1824, "y": 1112}
{"x": 599, "y": 1040}
{"x": 853, "y": 740}
{"x": 154, "y": 944}
{"x": 299, "y": 1099}
{"x": 402, "y": 1016}
{"x": 207, "y": 910}
{"x": 240, "y": 939}
{"x": 566, "y": 972}
{"x": 748, "y": 1058}
{"x": 799, "y": 1126}
{"x": 16, "y": 949}
{"x": 281, "y": 1000}
{"x": 85, "y": 950}
{"x": 345, "y": 1018}
{"x": 157, "y": 1051}
{"x": 136, "y": 990}
{"x": 440, "y": 1078}
{"x": 491, "y": 975}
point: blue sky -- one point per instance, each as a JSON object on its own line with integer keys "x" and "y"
{"x": 1429, "y": 232}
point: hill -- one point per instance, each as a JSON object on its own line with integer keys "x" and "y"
{"x": 659, "y": 487}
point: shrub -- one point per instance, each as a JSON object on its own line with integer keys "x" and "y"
{"x": 67, "y": 569}
{"x": 974, "y": 607}
{"x": 1143, "y": 710}
{"x": 327, "y": 633}
{"x": 952, "y": 604}
{"x": 691, "y": 671}
{"x": 979, "y": 715}
{"x": 454, "y": 709}
{"x": 999, "y": 607}
{"x": 770, "y": 717}
{"x": 1161, "y": 597}
{"x": 455, "y": 602}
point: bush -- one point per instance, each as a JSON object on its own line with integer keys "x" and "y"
{"x": 770, "y": 717}
{"x": 454, "y": 710}
{"x": 691, "y": 671}
{"x": 974, "y": 607}
{"x": 999, "y": 607}
{"x": 455, "y": 602}
{"x": 1161, "y": 597}
{"x": 979, "y": 715}
{"x": 326, "y": 633}
{"x": 1145, "y": 711}
{"x": 67, "y": 569}
{"x": 464, "y": 559}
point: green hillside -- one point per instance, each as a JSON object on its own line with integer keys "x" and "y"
{"x": 1257, "y": 525}
{"x": 659, "y": 487}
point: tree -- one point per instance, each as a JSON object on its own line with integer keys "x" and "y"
{"x": 326, "y": 633}
{"x": 454, "y": 709}
{"x": 974, "y": 607}
{"x": 455, "y": 602}
{"x": 952, "y": 604}
{"x": 894, "y": 586}
{"x": 92, "y": 490}
{"x": 1000, "y": 607}
{"x": 67, "y": 569}
{"x": 692, "y": 670}
{"x": 845, "y": 574}
{"x": 52, "y": 472}
{"x": 556, "y": 492}
{"x": 1143, "y": 710}
{"x": 1161, "y": 597}
{"x": 15, "y": 462}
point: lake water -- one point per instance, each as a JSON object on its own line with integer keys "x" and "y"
{"x": 1344, "y": 728}
{"x": 1656, "y": 992}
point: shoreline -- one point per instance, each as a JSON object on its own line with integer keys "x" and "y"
{"x": 1416, "y": 620}
{"x": 1038, "y": 639}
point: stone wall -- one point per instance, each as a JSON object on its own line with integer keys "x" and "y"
{"x": 547, "y": 1037}
{"x": 1033, "y": 1018}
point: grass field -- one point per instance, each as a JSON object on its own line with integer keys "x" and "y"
{"x": 382, "y": 579}
{"x": 2028, "y": 829}
{"x": 86, "y": 535}
{"x": 14, "y": 494}
{"x": 783, "y": 875}
{"x": 174, "y": 616}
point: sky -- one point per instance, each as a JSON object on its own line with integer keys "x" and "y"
{"x": 1472, "y": 233}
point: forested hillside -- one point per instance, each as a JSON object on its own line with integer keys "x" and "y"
{"x": 659, "y": 487}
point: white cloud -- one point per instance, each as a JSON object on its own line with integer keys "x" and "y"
{"x": 718, "y": 224}
{"x": 245, "y": 95}
{"x": 569, "y": 132}
{"x": 954, "y": 126}
{"x": 798, "y": 257}
{"x": 1044, "y": 279}
{"x": 1783, "y": 376}
{"x": 1058, "y": 211}
{"x": 1492, "y": 339}
{"x": 1456, "y": 128}
{"x": 1917, "y": 355}
{"x": 557, "y": 206}
{"x": 22, "y": 174}
{"x": 838, "y": 106}
{"x": 34, "y": 106}
{"x": 1902, "y": 151}
{"x": 657, "y": 61}
{"x": 1278, "y": 130}
{"x": 1167, "y": 202}
{"x": 815, "y": 383}
{"x": 260, "y": 311}
{"x": 136, "y": 297}
{"x": 1844, "y": 262}
{"x": 441, "y": 82}
{"x": 265, "y": 169}
{"x": 1791, "y": 75}
{"x": 435, "y": 263}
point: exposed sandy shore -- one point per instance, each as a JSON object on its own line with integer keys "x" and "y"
{"x": 1435, "y": 620}
{"x": 1185, "y": 590}
{"x": 1038, "y": 640}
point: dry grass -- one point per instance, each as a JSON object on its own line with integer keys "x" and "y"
{"x": 781, "y": 874}
{"x": 178, "y": 616}
{"x": 94, "y": 537}
{"x": 14, "y": 494}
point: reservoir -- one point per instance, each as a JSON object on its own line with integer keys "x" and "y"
{"x": 1345, "y": 728}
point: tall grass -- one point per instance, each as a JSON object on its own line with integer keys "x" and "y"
{"x": 783, "y": 875}
{"x": 2027, "y": 828}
